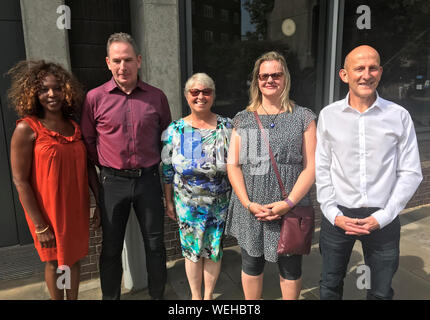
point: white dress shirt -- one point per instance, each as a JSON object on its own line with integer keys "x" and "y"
{"x": 367, "y": 159}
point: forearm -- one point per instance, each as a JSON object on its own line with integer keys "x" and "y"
{"x": 402, "y": 192}
{"x": 307, "y": 177}
{"x": 93, "y": 181}
{"x": 302, "y": 186}
{"x": 237, "y": 182}
{"x": 326, "y": 197}
{"x": 326, "y": 194}
{"x": 168, "y": 193}
{"x": 30, "y": 204}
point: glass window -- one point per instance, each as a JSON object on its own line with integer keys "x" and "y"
{"x": 224, "y": 15}
{"x": 258, "y": 26}
{"x": 224, "y": 37}
{"x": 209, "y": 36}
{"x": 400, "y": 31}
{"x": 208, "y": 11}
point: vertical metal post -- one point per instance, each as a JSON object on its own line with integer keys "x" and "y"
{"x": 189, "y": 31}
{"x": 333, "y": 47}
{"x": 186, "y": 46}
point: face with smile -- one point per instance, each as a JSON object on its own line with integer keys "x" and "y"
{"x": 362, "y": 72}
{"x": 51, "y": 95}
{"x": 270, "y": 87}
{"x": 202, "y": 99}
{"x": 124, "y": 64}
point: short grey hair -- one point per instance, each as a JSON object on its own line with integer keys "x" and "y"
{"x": 122, "y": 37}
{"x": 200, "y": 78}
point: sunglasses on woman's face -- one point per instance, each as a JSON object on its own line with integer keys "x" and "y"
{"x": 196, "y": 92}
{"x": 265, "y": 76}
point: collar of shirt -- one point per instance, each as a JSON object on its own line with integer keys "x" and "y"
{"x": 112, "y": 85}
{"x": 378, "y": 104}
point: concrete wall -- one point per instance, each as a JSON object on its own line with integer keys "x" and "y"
{"x": 43, "y": 39}
{"x": 155, "y": 27}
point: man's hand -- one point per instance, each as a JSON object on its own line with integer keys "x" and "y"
{"x": 171, "y": 211}
{"x": 96, "y": 219}
{"x": 352, "y": 226}
{"x": 370, "y": 223}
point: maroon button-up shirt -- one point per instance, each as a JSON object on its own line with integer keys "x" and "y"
{"x": 122, "y": 131}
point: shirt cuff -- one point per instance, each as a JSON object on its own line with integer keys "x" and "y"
{"x": 332, "y": 213}
{"x": 383, "y": 218}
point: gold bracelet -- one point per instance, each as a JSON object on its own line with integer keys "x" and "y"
{"x": 44, "y": 230}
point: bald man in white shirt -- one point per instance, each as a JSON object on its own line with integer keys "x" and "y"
{"x": 367, "y": 169}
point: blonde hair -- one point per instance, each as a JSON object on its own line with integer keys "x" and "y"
{"x": 255, "y": 97}
{"x": 201, "y": 78}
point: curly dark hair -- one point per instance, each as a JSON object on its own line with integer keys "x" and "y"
{"x": 27, "y": 78}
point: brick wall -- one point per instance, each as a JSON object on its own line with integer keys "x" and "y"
{"x": 89, "y": 265}
{"x": 422, "y": 195}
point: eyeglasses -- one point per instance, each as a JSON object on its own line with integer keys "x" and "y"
{"x": 265, "y": 76}
{"x": 196, "y": 92}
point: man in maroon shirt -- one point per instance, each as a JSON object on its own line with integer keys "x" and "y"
{"x": 122, "y": 121}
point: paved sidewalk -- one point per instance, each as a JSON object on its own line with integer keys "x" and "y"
{"x": 412, "y": 280}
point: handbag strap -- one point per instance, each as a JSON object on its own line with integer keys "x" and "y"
{"x": 272, "y": 158}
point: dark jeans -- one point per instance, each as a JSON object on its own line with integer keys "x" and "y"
{"x": 380, "y": 250}
{"x": 116, "y": 197}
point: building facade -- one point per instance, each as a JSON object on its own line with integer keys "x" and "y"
{"x": 222, "y": 38}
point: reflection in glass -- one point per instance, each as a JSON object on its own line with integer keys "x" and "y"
{"x": 400, "y": 31}
{"x": 241, "y": 31}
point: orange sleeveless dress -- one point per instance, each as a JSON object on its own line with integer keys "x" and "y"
{"x": 60, "y": 183}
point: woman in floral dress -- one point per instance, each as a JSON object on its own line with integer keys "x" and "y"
{"x": 196, "y": 185}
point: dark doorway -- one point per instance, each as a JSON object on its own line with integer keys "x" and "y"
{"x": 92, "y": 24}
{"x": 13, "y": 227}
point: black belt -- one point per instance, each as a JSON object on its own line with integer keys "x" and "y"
{"x": 130, "y": 173}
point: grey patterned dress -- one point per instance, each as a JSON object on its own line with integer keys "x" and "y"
{"x": 261, "y": 237}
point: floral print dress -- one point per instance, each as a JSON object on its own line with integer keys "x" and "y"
{"x": 194, "y": 160}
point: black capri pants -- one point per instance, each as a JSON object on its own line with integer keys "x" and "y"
{"x": 290, "y": 267}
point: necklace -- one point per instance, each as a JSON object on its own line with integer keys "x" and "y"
{"x": 272, "y": 121}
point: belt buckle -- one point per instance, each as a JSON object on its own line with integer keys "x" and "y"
{"x": 133, "y": 173}
{"x": 137, "y": 173}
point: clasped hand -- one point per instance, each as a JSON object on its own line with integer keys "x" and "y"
{"x": 269, "y": 212}
{"x": 355, "y": 226}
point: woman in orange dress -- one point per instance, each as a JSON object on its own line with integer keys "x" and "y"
{"x": 49, "y": 168}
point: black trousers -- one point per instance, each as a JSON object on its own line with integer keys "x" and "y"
{"x": 381, "y": 250}
{"x": 117, "y": 195}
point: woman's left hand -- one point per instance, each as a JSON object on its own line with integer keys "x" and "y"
{"x": 277, "y": 210}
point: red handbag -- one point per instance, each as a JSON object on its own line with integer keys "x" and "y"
{"x": 297, "y": 225}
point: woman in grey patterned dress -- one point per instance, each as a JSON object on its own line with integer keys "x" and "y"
{"x": 256, "y": 205}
